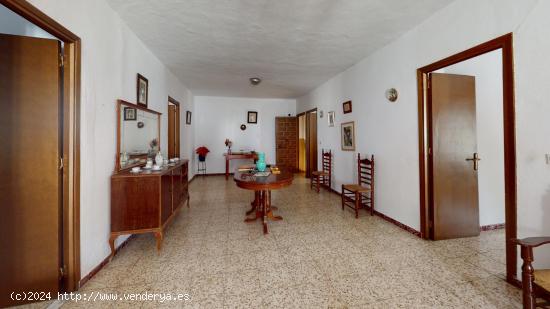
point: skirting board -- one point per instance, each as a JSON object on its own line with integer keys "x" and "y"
{"x": 492, "y": 227}
{"x": 103, "y": 263}
{"x": 389, "y": 219}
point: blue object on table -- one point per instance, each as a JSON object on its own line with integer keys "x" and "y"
{"x": 260, "y": 164}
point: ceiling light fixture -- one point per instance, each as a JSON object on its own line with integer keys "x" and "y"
{"x": 255, "y": 81}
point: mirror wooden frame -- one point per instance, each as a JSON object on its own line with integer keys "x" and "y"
{"x": 120, "y": 105}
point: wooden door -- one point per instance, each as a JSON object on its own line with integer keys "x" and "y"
{"x": 311, "y": 144}
{"x": 452, "y": 105}
{"x": 173, "y": 131}
{"x": 31, "y": 182}
{"x": 286, "y": 140}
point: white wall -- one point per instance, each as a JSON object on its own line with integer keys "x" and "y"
{"x": 218, "y": 118}
{"x": 11, "y": 23}
{"x": 487, "y": 70}
{"x": 390, "y": 131}
{"x": 112, "y": 55}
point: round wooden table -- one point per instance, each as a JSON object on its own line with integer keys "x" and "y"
{"x": 262, "y": 186}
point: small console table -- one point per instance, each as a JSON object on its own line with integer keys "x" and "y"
{"x": 237, "y": 156}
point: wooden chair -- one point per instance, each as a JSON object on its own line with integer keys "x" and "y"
{"x": 535, "y": 283}
{"x": 323, "y": 178}
{"x": 361, "y": 195}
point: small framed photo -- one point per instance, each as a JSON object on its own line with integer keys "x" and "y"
{"x": 348, "y": 136}
{"x": 252, "y": 117}
{"x": 347, "y": 107}
{"x": 330, "y": 119}
{"x": 142, "y": 90}
{"x": 130, "y": 114}
{"x": 188, "y": 117}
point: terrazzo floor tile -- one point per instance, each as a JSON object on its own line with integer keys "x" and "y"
{"x": 317, "y": 257}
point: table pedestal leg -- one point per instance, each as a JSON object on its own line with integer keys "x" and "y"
{"x": 254, "y": 203}
{"x": 257, "y": 207}
{"x": 263, "y": 209}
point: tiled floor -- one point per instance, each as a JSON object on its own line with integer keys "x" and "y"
{"x": 317, "y": 257}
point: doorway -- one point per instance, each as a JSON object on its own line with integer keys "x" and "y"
{"x": 302, "y": 143}
{"x": 173, "y": 128}
{"x": 448, "y": 148}
{"x": 307, "y": 141}
{"x": 41, "y": 213}
{"x": 286, "y": 137}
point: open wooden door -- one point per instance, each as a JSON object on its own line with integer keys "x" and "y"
{"x": 173, "y": 128}
{"x": 286, "y": 140}
{"x": 453, "y": 159}
{"x": 311, "y": 144}
{"x": 30, "y": 174}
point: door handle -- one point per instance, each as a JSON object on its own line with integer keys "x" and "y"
{"x": 476, "y": 159}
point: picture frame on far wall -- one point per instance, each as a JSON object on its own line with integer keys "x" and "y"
{"x": 347, "y": 107}
{"x": 188, "y": 117}
{"x": 130, "y": 114}
{"x": 348, "y": 136}
{"x": 252, "y": 117}
{"x": 330, "y": 118}
{"x": 142, "y": 90}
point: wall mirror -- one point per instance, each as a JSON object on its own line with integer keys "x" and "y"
{"x": 138, "y": 135}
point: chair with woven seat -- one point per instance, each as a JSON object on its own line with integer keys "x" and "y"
{"x": 535, "y": 283}
{"x": 323, "y": 178}
{"x": 361, "y": 195}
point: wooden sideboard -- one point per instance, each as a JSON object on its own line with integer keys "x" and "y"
{"x": 147, "y": 202}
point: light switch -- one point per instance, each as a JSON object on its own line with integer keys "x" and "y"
{"x": 548, "y": 158}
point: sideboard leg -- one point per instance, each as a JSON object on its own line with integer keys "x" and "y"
{"x": 112, "y": 245}
{"x": 160, "y": 237}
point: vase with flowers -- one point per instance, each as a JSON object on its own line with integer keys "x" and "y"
{"x": 228, "y": 144}
{"x": 202, "y": 151}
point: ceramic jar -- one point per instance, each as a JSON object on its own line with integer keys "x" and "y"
{"x": 260, "y": 164}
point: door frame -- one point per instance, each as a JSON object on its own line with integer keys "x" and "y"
{"x": 505, "y": 43}
{"x": 177, "y": 124}
{"x": 70, "y": 97}
{"x": 306, "y": 113}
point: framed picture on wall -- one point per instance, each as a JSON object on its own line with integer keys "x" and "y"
{"x": 348, "y": 136}
{"x": 347, "y": 107}
{"x": 130, "y": 114}
{"x": 252, "y": 117}
{"x": 142, "y": 90}
{"x": 188, "y": 117}
{"x": 330, "y": 119}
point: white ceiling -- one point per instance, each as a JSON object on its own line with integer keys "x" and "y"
{"x": 214, "y": 46}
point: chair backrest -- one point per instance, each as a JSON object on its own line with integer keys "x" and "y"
{"x": 327, "y": 161}
{"x": 365, "y": 171}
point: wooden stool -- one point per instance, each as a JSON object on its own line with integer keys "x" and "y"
{"x": 323, "y": 178}
{"x": 361, "y": 195}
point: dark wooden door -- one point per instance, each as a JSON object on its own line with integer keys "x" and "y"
{"x": 286, "y": 140}
{"x": 452, "y": 106}
{"x": 173, "y": 131}
{"x": 311, "y": 142}
{"x": 30, "y": 183}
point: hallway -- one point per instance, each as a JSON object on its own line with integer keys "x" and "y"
{"x": 317, "y": 257}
